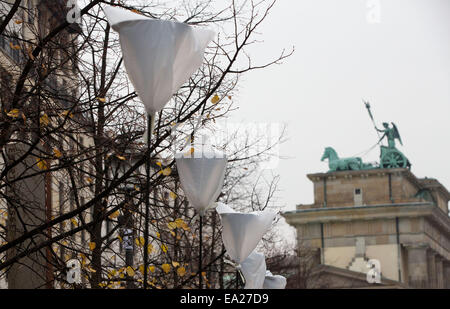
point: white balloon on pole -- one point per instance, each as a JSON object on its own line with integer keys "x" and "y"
{"x": 274, "y": 281}
{"x": 254, "y": 270}
{"x": 242, "y": 232}
{"x": 159, "y": 55}
{"x": 201, "y": 177}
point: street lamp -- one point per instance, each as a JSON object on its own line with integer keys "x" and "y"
{"x": 241, "y": 234}
{"x": 159, "y": 57}
{"x": 201, "y": 172}
{"x": 242, "y": 231}
{"x": 274, "y": 281}
{"x": 254, "y": 270}
{"x": 257, "y": 276}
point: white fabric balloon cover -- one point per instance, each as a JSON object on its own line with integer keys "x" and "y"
{"x": 242, "y": 231}
{"x": 159, "y": 55}
{"x": 202, "y": 178}
{"x": 274, "y": 281}
{"x": 223, "y": 208}
{"x": 254, "y": 270}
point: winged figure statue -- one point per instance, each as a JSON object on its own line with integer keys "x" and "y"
{"x": 391, "y": 133}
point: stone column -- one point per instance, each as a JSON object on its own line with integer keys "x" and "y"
{"x": 439, "y": 272}
{"x": 417, "y": 266}
{"x": 431, "y": 263}
{"x": 26, "y": 210}
{"x": 446, "y": 276}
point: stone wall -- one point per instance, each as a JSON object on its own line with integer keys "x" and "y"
{"x": 409, "y": 236}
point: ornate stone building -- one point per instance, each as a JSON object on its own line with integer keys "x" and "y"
{"x": 46, "y": 195}
{"x": 386, "y": 214}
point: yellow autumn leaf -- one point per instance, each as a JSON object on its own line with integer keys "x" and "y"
{"x": 141, "y": 268}
{"x": 89, "y": 179}
{"x": 165, "y": 268}
{"x": 114, "y": 214}
{"x": 181, "y": 271}
{"x": 130, "y": 271}
{"x": 44, "y": 120}
{"x": 122, "y": 275}
{"x": 167, "y": 171}
{"x": 190, "y": 151}
{"x": 91, "y": 269}
{"x": 150, "y": 248}
{"x": 159, "y": 164}
{"x": 74, "y": 221}
{"x": 179, "y": 222}
{"x": 120, "y": 238}
{"x": 140, "y": 241}
{"x": 103, "y": 100}
{"x": 92, "y": 245}
{"x": 67, "y": 113}
{"x": 215, "y": 99}
{"x": 172, "y": 195}
{"x": 136, "y": 188}
{"x": 164, "y": 248}
{"x": 172, "y": 225}
{"x": 83, "y": 258}
{"x": 175, "y": 264}
{"x": 16, "y": 47}
{"x": 42, "y": 164}
{"x": 121, "y": 157}
{"x": 158, "y": 235}
{"x": 57, "y": 153}
{"x": 14, "y": 113}
{"x": 151, "y": 268}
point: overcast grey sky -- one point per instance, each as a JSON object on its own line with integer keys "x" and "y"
{"x": 401, "y": 65}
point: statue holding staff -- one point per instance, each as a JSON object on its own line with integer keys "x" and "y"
{"x": 391, "y": 133}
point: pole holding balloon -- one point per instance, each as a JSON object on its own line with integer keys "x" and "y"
{"x": 159, "y": 56}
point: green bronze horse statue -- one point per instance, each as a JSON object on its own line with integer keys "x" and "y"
{"x": 344, "y": 164}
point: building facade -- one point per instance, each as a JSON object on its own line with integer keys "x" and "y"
{"x": 46, "y": 195}
{"x": 383, "y": 214}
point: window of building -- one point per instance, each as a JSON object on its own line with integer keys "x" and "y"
{"x": 357, "y": 197}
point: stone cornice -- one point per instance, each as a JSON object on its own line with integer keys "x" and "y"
{"x": 418, "y": 182}
{"x": 348, "y": 213}
{"x": 371, "y": 212}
